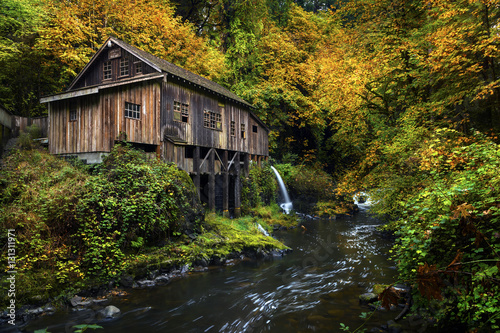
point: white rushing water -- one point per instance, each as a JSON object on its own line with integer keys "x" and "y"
{"x": 362, "y": 200}
{"x": 286, "y": 205}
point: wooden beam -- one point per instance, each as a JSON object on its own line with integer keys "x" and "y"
{"x": 225, "y": 185}
{"x": 196, "y": 169}
{"x": 231, "y": 163}
{"x": 211, "y": 180}
{"x": 222, "y": 163}
{"x": 237, "y": 188}
{"x": 246, "y": 164}
{"x": 95, "y": 89}
{"x": 206, "y": 156}
{"x": 70, "y": 94}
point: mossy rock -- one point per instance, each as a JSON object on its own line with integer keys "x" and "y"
{"x": 379, "y": 288}
{"x": 368, "y": 298}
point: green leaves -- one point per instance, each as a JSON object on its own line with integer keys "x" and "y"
{"x": 447, "y": 228}
{"x": 81, "y": 226}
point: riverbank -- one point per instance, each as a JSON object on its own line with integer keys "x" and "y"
{"x": 316, "y": 285}
{"x": 87, "y": 229}
{"x": 221, "y": 241}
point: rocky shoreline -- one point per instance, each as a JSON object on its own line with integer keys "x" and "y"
{"x": 97, "y": 300}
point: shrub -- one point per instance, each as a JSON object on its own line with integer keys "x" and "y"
{"x": 26, "y": 138}
{"x": 448, "y": 239}
{"x": 259, "y": 188}
{"x": 72, "y": 226}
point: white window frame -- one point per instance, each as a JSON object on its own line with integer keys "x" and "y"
{"x": 132, "y": 111}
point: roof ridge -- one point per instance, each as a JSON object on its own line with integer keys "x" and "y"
{"x": 179, "y": 71}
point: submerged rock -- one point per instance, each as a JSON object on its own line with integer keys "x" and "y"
{"x": 394, "y": 327}
{"x": 109, "y": 312}
{"x": 368, "y": 298}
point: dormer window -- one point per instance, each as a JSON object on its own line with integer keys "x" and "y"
{"x": 106, "y": 70}
{"x": 124, "y": 71}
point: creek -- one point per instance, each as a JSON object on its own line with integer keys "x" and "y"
{"x": 313, "y": 288}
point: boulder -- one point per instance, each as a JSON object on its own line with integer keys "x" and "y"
{"x": 109, "y": 312}
{"x": 145, "y": 283}
{"x": 394, "y": 327}
{"x": 127, "y": 281}
{"x": 162, "y": 279}
{"x": 368, "y": 298}
{"x": 75, "y": 300}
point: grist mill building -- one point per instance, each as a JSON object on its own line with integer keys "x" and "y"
{"x": 124, "y": 93}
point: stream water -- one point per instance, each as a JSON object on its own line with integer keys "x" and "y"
{"x": 312, "y": 289}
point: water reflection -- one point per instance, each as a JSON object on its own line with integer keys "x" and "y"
{"x": 314, "y": 288}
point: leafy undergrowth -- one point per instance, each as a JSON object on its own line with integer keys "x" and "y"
{"x": 447, "y": 198}
{"x": 77, "y": 227}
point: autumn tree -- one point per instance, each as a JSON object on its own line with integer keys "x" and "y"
{"x": 283, "y": 87}
{"x": 23, "y": 74}
{"x": 77, "y": 29}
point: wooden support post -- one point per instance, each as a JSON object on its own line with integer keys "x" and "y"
{"x": 211, "y": 180}
{"x": 196, "y": 169}
{"x": 158, "y": 152}
{"x": 246, "y": 164}
{"x": 225, "y": 184}
{"x": 237, "y": 187}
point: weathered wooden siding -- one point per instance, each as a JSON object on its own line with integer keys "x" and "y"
{"x": 94, "y": 75}
{"x": 101, "y": 119}
{"x": 196, "y": 134}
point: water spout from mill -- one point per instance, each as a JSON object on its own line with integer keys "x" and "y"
{"x": 286, "y": 205}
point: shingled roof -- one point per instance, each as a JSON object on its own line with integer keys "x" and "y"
{"x": 166, "y": 67}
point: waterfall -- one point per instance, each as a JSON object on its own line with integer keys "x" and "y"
{"x": 287, "y": 205}
{"x": 362, "y": 200}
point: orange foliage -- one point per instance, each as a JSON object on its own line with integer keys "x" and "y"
{"x": 78, "y": 28}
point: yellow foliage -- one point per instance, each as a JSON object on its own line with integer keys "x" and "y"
{"x": 78, "y": 28}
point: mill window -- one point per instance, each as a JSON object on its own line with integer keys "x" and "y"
{"x": 243, "y": 131}
{"x": 181, "y": 112}
{"x": 206, "y": 118}
{"x": 72, "y": 114}
{"x": 212, "y": 120}
{"x": 184, "y": 112}
{"x": 132, "y": 111}
{"x": 254, "y": 128}
{"x": 124, "y": 67}
{"x": 233, "y": 128}
{"x": 138, "y": 67}
{"x": 106, "y": 75}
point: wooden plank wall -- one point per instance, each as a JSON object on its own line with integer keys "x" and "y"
{"x": 5, "y": 135}
{"x": 21, "y": 123}
{"x": 194, "y": 132}
{"x": 94, "y": 74}
{"x": 101, "y": 119}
